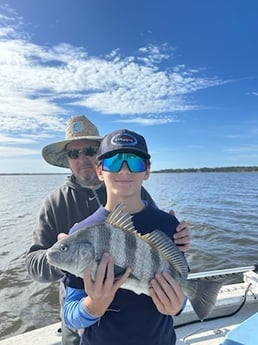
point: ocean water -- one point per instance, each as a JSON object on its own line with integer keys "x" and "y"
{"x": 220, "y": 208}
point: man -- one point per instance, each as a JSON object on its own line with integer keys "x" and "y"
{"x": 81, "y": 194}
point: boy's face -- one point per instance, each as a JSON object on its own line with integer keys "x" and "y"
{"x": 123, "y": 183}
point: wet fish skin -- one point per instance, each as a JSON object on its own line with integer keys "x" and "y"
{"x": 145, "y": 254}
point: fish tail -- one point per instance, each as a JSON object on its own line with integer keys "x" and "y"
{"x": 203, "y": 295}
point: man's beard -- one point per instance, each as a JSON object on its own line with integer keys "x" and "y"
{"x": 88, "y": 181}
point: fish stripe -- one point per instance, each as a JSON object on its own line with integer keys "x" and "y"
{"x": 104, "y": 236}
{"x": 159, "y": 241}
{"x": 156, "y": 260}
{"x": 156, "y": 239}
{"x": 130, "y": 249}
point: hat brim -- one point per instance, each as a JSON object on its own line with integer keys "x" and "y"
{"x": 140, "y": 153}
{"x": 54, "y": 154}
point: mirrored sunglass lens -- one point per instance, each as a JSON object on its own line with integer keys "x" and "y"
{"x": 114, "y": 163}
{"x": 136, "y": 164}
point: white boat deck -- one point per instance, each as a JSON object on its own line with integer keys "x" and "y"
{"x": 214, "y": 332}
{"x": 206, "y": 333}
{"x": 200, "y": 333}
{"x": 42, "y": 336}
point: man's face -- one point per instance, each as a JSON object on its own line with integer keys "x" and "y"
{"x": 84, "y": 166}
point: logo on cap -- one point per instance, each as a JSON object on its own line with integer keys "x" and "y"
{"x": 124, "y": 140}
{"x": 77, "y": 127}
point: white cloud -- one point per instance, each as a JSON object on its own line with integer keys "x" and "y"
{"x": 8, "y": 151}
{"x": 153, "y": 55}
{"x": 148, "y": 121}
{"x": 15, "y": 140}
{"x": 38, "y": 83}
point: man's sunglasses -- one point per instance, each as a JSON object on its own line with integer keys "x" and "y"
{"x": 114, "y": 164}
{"x": 88, "y": 151}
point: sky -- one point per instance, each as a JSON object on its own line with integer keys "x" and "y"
{"x": 183, "y": 73}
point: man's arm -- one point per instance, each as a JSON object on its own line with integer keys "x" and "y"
{"x": 39, "y": 269}
{"x": 44, "y": 236}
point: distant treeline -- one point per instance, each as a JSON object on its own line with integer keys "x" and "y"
{"x": 220, "y": 169}
{"x": 190, "y": 170}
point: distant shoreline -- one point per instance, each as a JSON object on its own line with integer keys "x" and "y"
{"x": 205, "y": 169}
{"x": 30, "y": 174}
{"x": 187, "y": 170}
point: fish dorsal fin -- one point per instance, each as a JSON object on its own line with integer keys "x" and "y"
{"x": 157, "y": 239}
{"x": 120, "y": 219}
{"x": 165, "y": 246}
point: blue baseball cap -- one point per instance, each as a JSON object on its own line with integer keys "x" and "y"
{"x": 123, "y": 140}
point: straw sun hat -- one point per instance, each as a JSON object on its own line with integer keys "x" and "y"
{"x": 78, "y": 128}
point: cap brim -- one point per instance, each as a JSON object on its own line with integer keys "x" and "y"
{"x": 54, "y": 154}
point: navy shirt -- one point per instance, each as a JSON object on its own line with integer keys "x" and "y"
{"x": 131, "y": 319}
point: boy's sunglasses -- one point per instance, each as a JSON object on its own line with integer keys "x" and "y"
{"x": 88, "y": 151}
{"x": 114, "y": 164}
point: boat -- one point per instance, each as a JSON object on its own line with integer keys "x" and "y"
{"x": 234, "y": 318}
{"x": 235, "y": 312}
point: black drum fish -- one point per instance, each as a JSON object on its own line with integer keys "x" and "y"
{"x": 145, "y": 254}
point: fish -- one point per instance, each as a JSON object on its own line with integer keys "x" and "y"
{"x": 146, "y": 255}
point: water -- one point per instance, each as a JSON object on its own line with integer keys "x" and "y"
{"x": 220, "y": 208}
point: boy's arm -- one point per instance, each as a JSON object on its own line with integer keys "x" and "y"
{"x": 75, "y": 316}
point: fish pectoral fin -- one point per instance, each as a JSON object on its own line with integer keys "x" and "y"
{"x": 118, "y": 271}
{"x": 203, "y": 295}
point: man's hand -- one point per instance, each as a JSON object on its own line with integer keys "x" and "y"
{"x": 166, "y": 294}
{"x": 182, "y": 237}
{"x": 61, "y": 235}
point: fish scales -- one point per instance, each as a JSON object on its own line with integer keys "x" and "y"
{"x": 130, "y": 248}
{"x": 103, "y": 241}
{"x": 127, "y": 245}
{"x": 145, "y": 254}
{"x": 162, "y": 245}
{"x": 149, "y": 262}
{"x": 123, "y": 247}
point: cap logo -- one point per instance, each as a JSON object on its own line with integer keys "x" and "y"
{"x": 78, "y": 127}
{"x": 124, "y": 140}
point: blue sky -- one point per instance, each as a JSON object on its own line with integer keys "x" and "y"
{"x": 182, "y": 73}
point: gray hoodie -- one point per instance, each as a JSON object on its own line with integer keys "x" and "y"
{"x": 60, "y": 210}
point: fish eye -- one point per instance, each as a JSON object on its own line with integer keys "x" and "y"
{"x": 63, "y": 247}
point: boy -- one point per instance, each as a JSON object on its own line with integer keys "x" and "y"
{"x": 108, "y": 314}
